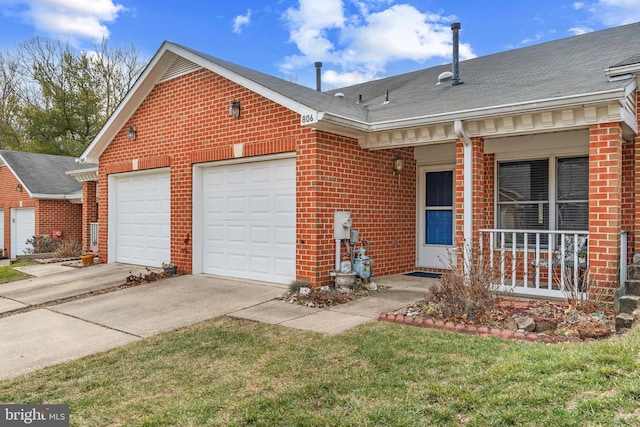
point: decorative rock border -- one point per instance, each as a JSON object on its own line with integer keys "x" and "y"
{"x": 482, "y": 331}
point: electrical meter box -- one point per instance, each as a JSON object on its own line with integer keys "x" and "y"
{"x": 342, "y": 225}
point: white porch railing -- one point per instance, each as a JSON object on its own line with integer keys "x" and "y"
{"x": 534, "y": 262}
{"x": 93, "y": 233}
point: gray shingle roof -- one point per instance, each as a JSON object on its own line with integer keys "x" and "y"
{"x": 43, "y": 174}
{"x": 557, "y": 69}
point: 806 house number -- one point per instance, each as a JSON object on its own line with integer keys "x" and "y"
{"x": 306, "y": 119}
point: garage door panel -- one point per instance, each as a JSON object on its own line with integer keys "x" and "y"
{"x": 143, "y": 219}
{"x": 251, "y": 224}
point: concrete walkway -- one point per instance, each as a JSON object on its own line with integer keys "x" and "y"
{"x": 56, "y": 333}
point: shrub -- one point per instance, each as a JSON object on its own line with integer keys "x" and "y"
{"x": 68, "y": 249}
{"x": 41, "y": 244}
{"x": 295, "y": 285}
{"x": 463, "y": 293}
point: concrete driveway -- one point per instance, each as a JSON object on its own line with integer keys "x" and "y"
{"x": 55, "y": 327}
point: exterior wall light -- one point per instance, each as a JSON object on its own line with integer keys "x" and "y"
{"x": 19, "y": 187}
{"x": 234, "y": 109}
{"x": 132, "y": 133}
{"x": 398, "y": 165}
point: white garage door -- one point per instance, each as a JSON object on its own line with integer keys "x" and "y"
{"x": 23, "y": 227}
{"x": 249, "y": 220}
{"x": 140, "y": 230}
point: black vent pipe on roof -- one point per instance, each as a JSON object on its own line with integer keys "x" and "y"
{"x": 455, "y": 27}
{"x": 318, "y": 76}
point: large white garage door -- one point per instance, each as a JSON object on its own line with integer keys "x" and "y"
{"x": 249, "y": 220}
{"x": 141, "y": 206}
{"x": 23, "y": 227}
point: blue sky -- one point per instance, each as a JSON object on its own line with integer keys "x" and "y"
{"x": 357, "y": 40}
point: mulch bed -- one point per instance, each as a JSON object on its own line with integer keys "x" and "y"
{"x": 550, "y": 321}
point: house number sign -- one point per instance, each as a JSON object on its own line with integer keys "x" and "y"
{"x": 306, "y": 119}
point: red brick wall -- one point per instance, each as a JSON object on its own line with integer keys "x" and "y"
{"x": 89, "y": 212}
{"x": 335, "y": 174}
{"x": 185, "y": 121}
{"x": 605, "y": 202}
{"x": 49, "y": 214}
{"x": 629, "y": 197}
{"x": 59, "y": 214}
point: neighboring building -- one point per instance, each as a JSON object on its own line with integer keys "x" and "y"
{"x": 37, "y": 197}
{"x": 228, "y": 171}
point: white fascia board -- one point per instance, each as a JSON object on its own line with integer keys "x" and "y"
{"x": 15, "y": 175}
{"x": 129, "y": 104}
{"x": 247, "y": 83}
{"x": 54, "y": 196}
{"x": 614, "y": 95}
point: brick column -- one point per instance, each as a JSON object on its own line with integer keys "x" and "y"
{"x": 605, "y": 203}
{"x": 636, "y": 157}
{"x": 481, "y": 205}
{"x": 89, "y": 211}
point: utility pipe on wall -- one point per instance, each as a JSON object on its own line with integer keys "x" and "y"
{"x": 467, "y": 192}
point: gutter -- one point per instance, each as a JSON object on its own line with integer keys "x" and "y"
{"x": 467, "y": 192}
{"x": 613, "y": 95}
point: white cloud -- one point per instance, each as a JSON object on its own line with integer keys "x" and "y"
{"x": 70, "y": 18}
{"x": 617, "y": 12}
{"x": 576, "y": 31}
{"x": 241, "y": 21}
{"x": 357, "y": 45}
{"x": 578, "y": 5}
{"x": 536, "y": 37}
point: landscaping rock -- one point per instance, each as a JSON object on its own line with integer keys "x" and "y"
{"x": 525, "y": 323}
{"x": 543, "y": 324}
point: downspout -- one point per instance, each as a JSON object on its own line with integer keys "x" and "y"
{"x": 467, "y": 193}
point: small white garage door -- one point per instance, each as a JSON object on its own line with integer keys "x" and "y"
{"x": 140, "y": 219}
{"x": 23, "y": 227}
{"x": 249, "y": 220}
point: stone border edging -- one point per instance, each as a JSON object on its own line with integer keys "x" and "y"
{"x": 482, "y": 331}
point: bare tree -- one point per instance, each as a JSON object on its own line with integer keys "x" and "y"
{"x": 9, "y": 102}
{"x": 64, "y": 96}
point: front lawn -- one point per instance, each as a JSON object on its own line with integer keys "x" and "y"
{"x": 235, "y": 372}
{"x": 8, "y": 273}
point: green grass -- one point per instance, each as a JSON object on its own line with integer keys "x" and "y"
{"x": 236, "y": 373}
{"x": 9, "y": 274}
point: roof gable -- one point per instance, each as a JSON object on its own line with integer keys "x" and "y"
{"x": 593, "y": 69}
{"x": 43, "y": 175}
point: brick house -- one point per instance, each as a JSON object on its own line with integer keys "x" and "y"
{"x": 37, "y": 197}
{"x": 523, "y": 155}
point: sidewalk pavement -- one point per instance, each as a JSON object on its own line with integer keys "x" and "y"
{"x": 70, "y": 330}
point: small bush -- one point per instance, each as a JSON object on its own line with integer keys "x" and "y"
{"x": 463, "y": 294}
{"x": 41, "y": 244}
{"x": 68, "y": 249}
{"x": 295, "y": 285}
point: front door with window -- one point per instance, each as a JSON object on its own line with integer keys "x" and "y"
{"x": 436, "y": 217}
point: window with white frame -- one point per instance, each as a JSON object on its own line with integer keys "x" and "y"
{"x": 543, "y": 194}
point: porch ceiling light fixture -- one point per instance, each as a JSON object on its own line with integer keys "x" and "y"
{"x": 234, "y": 109}
{"x": 132, "y": 133}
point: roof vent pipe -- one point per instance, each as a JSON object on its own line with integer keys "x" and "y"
{"x": 455, "y": 27}
{"x": 319, "y": 76}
